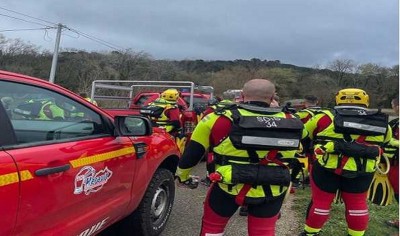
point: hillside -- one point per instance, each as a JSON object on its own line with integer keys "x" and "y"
{"x": 77, "y": 69}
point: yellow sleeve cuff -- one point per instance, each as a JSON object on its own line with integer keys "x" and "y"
{"x": 183, "y": 174}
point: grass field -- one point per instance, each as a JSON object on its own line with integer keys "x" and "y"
{"x": 336, "y": 224}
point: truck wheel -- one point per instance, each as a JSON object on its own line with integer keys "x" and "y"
{"x": 153, "y": 212}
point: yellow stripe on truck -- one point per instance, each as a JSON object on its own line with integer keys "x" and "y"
{"x": 84, "y": 161}
{"x": 14, "y": 178}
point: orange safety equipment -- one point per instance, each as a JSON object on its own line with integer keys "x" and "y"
{"x": 352, "y": 96}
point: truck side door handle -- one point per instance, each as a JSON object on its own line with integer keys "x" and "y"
{"x": 52, "y": 170}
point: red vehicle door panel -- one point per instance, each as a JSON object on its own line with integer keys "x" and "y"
{"x": 77, "y": 169}
{"x": 99, "y": 177}
{"x": 9, "y": 192}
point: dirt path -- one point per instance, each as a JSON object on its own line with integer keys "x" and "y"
{"x": 188, "y": 209}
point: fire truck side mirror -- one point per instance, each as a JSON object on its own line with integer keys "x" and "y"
{"x": 132, "y": 126}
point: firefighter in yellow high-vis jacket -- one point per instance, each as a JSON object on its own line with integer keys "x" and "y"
{"x": 249, "y": 141}
{"x": 347, "y": 146}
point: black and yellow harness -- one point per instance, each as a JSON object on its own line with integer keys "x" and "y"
{"x": 259, "y": 132}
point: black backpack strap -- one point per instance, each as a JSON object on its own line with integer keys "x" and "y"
{"x": 235, "y": 115}
{"x": 393, "y": 123}
{"x": 221, "y": 110}
{"x": 253, "y": 156}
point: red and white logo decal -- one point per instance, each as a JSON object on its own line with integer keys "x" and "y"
{"x": 88, "y": 181}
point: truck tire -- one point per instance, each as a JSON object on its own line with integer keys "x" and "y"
{"x": 151, "y": 217}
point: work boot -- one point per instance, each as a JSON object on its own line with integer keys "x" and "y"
{"x": 308, "y": 234}
{"x": 243, "y": 211}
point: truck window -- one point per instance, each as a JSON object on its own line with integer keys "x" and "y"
{"x": 40, "y": 115}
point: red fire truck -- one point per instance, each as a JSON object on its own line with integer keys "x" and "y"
{"x": 68, "y": 167}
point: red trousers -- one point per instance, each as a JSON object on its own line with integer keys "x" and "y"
{"x": 219, "y": 207}
{"x": 324, "y": 185}
{"x": 394, "y": 178}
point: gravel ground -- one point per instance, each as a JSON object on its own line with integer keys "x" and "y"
{"x": 188, "y": 209}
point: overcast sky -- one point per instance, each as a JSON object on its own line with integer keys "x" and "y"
{"x": 299, "y": 32}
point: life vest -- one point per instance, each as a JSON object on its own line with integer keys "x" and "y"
{"x": 40, "y": 110}
{"x": 156, "y": 112}
{"x": 224, "y": 104}
{"x": 256, "y": 133}
{"x": 307, "y": 113}
{"x": 50, "y": 111}
{"x": 391, "y": 150}
{"x": 350, "y": 145}
{"x": 313, "y": 110}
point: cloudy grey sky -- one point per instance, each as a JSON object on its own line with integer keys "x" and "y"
{"x": 299, "y": 32}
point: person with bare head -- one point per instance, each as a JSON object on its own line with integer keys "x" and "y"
{"x": 275, "y": 101}
{"x": 310, "y": 101}
{"x": 311, "y": 108}
{"x": 247, "y": 140}
{"x": 258, "y": 90}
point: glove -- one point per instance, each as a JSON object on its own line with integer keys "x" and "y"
{"x": 215, "y": 177}
{"x": 192, "y": 182}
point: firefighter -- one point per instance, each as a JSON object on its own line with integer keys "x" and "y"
{"x": 310, "y": 108}
{"x": 248, "y": 142}
{"x": 275, "y": 101}
{"x": 169, "y": 115}
{"x": 51, "y": 111}
{"x": 347, "y": 145}
{"x": 42, "y": 109}
{"x": 392, "y": 151}
{"x": 227, "y": 100}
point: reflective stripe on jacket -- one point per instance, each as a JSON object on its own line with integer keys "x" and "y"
{"x": 50, "y": 111}
{"x": 321, "y": 129}
{"x": 164, "y": 120}
{"x": 216, "y": 123}
{"x": 307, "y": 113}
{"x": 392, "y": 148}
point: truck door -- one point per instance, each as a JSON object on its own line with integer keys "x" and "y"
{"x": 9, "y": 177}
{"x": 80, "y": 174}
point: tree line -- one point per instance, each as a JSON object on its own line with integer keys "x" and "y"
{"x": 78, "y": 68}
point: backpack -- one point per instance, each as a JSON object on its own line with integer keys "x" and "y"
{"x": 262, "y": 131}
{"x": 152, "y": 111}
{"x": 360, "y": 121}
